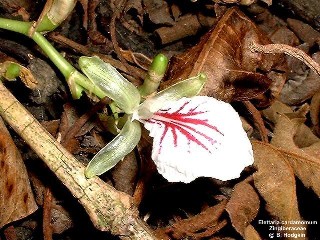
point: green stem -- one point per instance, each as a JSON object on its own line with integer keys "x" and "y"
{"x": 16, "y": 26}
{"x": 59, "y": 61}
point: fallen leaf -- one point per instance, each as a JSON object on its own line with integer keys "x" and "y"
{"x": 125, "y": 173}
{"x": 46, "y": 79}
{"x": 233, "y": 71}
{"x": 304, "y": 31}
{"x": 243, "y": 206}
{"x": 302, "y": 82}
{"x": 16, "y": 197}
{"x": 304, "y": 138}
{"x": 306, "y": 168}
{"x": 158, "y": 12}
{"x": 272, "y": 112}
{"x": 84, "y": 4}
{"x": 60, "y": 220}
{"x": 51, "y": 126}
{"x": 284, "y": 36}
{"x": 269, "y": 2}
{"x": 305, "y": 161}
{"x": 200, "y": 223}
{"x": 68, "y": 119}
{"x": 315, "y": 112}
{"x": 275, "y": 182}
{"x": 251, "y": 234}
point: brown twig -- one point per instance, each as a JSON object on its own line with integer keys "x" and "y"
{"x": 286, "y": 49}
{"x": 109, "y": 209}
{"x": 47, "y": 207}
{"x": 258, "y": 121}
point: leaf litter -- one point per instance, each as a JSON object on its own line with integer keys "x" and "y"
{"x": 283, "y": 100}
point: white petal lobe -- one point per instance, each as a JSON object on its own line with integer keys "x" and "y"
{"x": 198, "y": 136}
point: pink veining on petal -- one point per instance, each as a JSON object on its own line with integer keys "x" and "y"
{"x": 185, "y": 123}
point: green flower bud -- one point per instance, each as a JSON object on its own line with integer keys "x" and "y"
{"x": 186, "y": 88}
{"x": 12, "y": 71}
{"x": 155, "y": 74}
{"x": 116, "y": 150}
{"x": 109, "y": 80}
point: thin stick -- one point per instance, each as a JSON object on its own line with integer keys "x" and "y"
{"x": 109, "y": 209}
{"x": 47, "y": 207}
{"x": 286, "y": 49}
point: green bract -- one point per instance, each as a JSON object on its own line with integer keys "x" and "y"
{"x": 58, "y": 11}
{"x": 116, "y": 150}
{"x": 110, "y": 81}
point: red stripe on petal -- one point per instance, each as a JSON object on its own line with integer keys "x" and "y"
{"x": 186, "y": 123}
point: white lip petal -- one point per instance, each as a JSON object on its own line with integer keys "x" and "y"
{"x": 198, "y": 137}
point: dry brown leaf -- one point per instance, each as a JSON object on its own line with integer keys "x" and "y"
{"x": 304, "y": 31}
{"x": 68, "y": 119}
{"x": 293, "y": 135}
{"x": 275, "y": 182}
{"x": 200, "y": 223}
{"x": 16, "y": 197}
{"x": 243, "y": 206}
{"x": 251, "y": 234}
{"x": 304, "y": 137}
{"x": 302, "y": 83}
{"x": 124, "y": 174}
{"x": 233, "y": 71}
{"x": 305, "y": 161}
{"x": 306, "y": 168}
{"x": 269, "y": 2}
{"x": 272, "y": 113}
{"x": 158, "y": 12}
